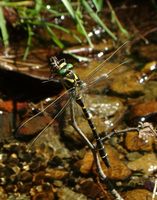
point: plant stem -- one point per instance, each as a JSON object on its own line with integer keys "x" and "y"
{"x": 115, "y": 18}
{"x": 3, "y": 28}
{"x": 16, "y": 4}
{"x": 54, "y": 37}
{"x": 29, "y": 40}
{"x": 96, "y": 18}
{"x": 38, "y": 5}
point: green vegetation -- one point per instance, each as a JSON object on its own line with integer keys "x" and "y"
{"x": 37, "y": 14}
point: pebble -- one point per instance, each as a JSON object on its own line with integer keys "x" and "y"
{"x": 85, "y": 165}
{"x": 138, "y": 194}
{"x": 67, "y": 194}
{"x": 91, "y": 189}
{"x": 148, "y": 51}
{"x": 43, "y": 196}
{"x": 134, "y": 143}
{"x": 25, "y": 176}
{"x": 146, "y": 164}
{"x": 143, "y": 109}
{"x": 56, "y": 173}
{"x": 3, "y": 195}
{"x": 105, "y": 111}
{"x": 118, "y": 170}
{"x": 127, "y": 84}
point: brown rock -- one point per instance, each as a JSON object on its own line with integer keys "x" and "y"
{"x": 138, "y": 194}
{"x": 3, "y": 195}
{"x": 147, "y": 164}
{"x": 91, "y": 189}
{"x": 144, "y": 109}
{"x": 118, "y": 169}
{"x": 127, "y": 83}
{"x": 43, "y": 196}
{"x": 8, "y": 106}
{"x": 25, "y": 176}
{"x": 34, "y": 126}
{"x": 65, "y": 193}
{"x": 56, "y": 173}
{"x": 134, "y": 143}
{"x": 148, "y": 51}
{"x": 86, "y": 163}
{"x": 149, "y": 68}
{"x": 38, "y": 178}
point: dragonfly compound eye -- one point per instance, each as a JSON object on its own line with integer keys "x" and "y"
{"x": 54, "y": 65}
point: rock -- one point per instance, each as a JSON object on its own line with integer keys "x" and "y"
{"x": 5, "y": 125}
{"x": 67, "y": 194}
{"x": 148, "y": 51}
{"x": 43, "y": 196}
{"x": 106, "y": 112}
{"x": 9, "y": 106}
{"x": 3, "y": 195}
{"x": 32, "y": 127}
{"x": 50, "y": 144}
{"x": 151, "y": 91}
{"x": 118, "y": 170}
{"x": 25, "y": 176}
{"x": 149, "y": 68}
{"x": 109, "y": 109}
{"x": 56, "y": 173}
{"x": 138, "y": 194}
{"x": 85, "y": 165}
{"x": 127, "y": 84}
{"x": 144, "y": 109}
{"x": 18, "y": 196}
{"x": 147, "y": 164}
{"x": 131, "y": 156}
{"x": 91, "y": 189}
{"x": 134, "y": 143}
{"x": 38, "y": 177}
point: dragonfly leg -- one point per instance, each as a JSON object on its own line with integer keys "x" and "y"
{"x": 79, "y": 131}
{"x": 104, "y": 179}
{"x": 102, "y": 176}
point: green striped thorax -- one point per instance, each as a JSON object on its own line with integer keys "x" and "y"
{"x": 59, "y": 67}
{"x": 68, "y": 77}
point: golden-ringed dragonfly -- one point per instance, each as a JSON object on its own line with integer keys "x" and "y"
{"x": 74, "y": 89}
{"x": 72, "y": 82}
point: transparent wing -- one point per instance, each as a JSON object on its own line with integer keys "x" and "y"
{"x": 51, "y": 122}
{"x": 43, "y": 119}
{"x": 104, "y": 76}
{"x": 89, "y": 79}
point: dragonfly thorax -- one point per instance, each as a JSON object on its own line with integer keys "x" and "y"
{"x": 71, "y": 80}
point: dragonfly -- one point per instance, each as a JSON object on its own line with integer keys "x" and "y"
{"x": 74, "y": 90}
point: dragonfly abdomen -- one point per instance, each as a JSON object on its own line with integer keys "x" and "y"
{"x": 99, "y": 142}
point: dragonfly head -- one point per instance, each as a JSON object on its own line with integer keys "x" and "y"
{"x": 59, "y": 67}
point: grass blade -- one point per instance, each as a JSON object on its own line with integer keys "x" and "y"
{"x": 38, "y": 5}
{"x": 3, "y": 28}
{"x": 81, "y": 27}
{"x": 116, "y": 20}
{"x": 68, "y": 6}
{"x": 16, "y": 4}
{"x": 98, "y": 4}
{"x": 29, "y": 41}
{"x": 54, "y": 37}
{"x": 97, "y": 19}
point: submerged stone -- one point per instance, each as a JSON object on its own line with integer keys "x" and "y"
{"x": 147, "y": 164}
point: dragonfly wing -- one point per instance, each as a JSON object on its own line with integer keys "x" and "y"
{"x": 100, "y": 67}
{"x": 99, "y": 79}
{"x": 35, "y": 124}
{"x": 51, "y": 121}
